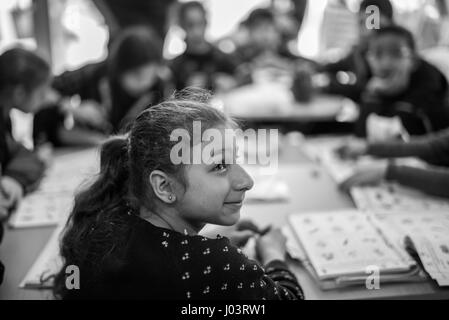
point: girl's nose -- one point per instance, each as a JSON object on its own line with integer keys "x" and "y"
{"x": 242, "y": 180}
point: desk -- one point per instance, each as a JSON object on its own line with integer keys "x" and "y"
{"x": 275, "y": 104}
{"x": 312, "y": 190}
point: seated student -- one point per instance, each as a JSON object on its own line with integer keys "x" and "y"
{"x": 134, "y": 232}
{"x": 433, "y": 149}
{"x": 354, "y": 65}
{"x": 263, "y": 50}
{"x": 404, "y": 91}
{"x": 111, "y": 92}
{"x": 202, "y": 64}
{"x": 24, "y": 80}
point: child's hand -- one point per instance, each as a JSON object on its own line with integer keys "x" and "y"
{"x": 392, "y": 85}
{"x": 352, "y": 150}
{"x": 366, "y": 175}
{"x": 271, "y": 246}
{"x": 11, "y": 192}
{"x": 244, "y": 230}
{"x": 45, "y": 154}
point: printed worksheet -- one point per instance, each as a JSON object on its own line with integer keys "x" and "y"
{"x": 51, "y": 203}
{"x": 346, "y": 243}
{"x": 428, "y": 234}
{"x": 391, "y": 198}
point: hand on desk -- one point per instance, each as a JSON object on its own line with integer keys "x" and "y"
{"x": 352, "y": 149}
{"x": 10, "y": 195}
{"x": 245, "y": 230}
{"x": 271, "y": 246}
{"x": 366, "y": 175}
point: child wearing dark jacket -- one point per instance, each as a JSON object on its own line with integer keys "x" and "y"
{"x": 402, "y": 86}
{"x": 24, "y": 80}
{"x": 202, "y": 64}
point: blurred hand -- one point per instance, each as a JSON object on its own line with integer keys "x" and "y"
{"x": 271, "y": 246}
{"x": 90, "y": 113}
{"x": 10, "y": 195}
{"x": 394, "y": 84}
{"x": 45, "y": 153}
{"x": 352, "y": 150}
{"x": 366, "y": 175}
{"x": 244, "y": 230}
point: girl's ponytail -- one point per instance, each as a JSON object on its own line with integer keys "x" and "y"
{"x": 97, "y": 225}
{"x": 109, "y": 191}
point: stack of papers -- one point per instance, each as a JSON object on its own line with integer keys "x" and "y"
{"x": 428, "y": 235}
{"x": 51, "y": 203}
{"x": 346, "y": 243}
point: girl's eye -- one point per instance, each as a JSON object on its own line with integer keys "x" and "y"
{"x": 220, "y": 167}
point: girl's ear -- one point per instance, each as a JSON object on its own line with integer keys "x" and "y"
{"x": 162, "y": 186}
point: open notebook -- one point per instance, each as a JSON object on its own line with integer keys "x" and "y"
{"x": 342, "y": 246}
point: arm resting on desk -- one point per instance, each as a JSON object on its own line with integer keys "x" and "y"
{"x": 433, "y": 181}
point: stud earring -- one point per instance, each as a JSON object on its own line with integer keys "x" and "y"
{"x": 170, "y": 197}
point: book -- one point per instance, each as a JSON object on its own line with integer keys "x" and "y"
{"x": 52, "y": 202}
{"x": 342, "y": 246}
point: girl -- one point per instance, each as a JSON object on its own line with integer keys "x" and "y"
{"x": 112, "y": 92}
{"x": 135, "y": 76}
{"x": 134, "y": 232}
{"x": 24, "y": 81}
{"x": 404, "y": 93}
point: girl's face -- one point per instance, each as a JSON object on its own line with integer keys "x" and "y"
{"x": 389, "y": 55}
{"x": 265, "y": 36}
{"x": 137, "y": 82}
{"x": 30, "y": 102}
{"x": 215, "y": 192}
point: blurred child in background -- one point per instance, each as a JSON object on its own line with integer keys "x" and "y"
{"x": 262, "y": 56}
{"x": 349, "y": 76}
{"x": 99, "y": 99}
{"x": 136, "y": 76}
{"x": 24, "y": 81}
{"x": 404, "y": 91}
{"x": 202, "y": 64}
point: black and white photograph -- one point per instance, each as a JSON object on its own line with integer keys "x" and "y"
{"x": 220, "y": 155}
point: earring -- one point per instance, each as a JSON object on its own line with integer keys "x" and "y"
{"x": 170, "y": 197}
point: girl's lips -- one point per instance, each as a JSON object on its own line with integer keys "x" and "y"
{"x": 235, "y": 203}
